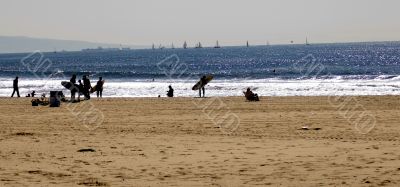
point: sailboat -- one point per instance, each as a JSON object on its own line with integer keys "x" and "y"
{"x": 153, "y": 46}
{"x": 217, "y": 45}
{"x": 307, "y": 41}
{"x": 185, "y": 45}
{"x": 172, "y": 46}
{"x": 199, "y": 46}
{"x": 247, "y": 44}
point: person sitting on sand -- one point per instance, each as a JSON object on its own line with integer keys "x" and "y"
{"x": 250, "y": 96}
{"x": 170, "y": 92}
{"x": 99, "y": 87}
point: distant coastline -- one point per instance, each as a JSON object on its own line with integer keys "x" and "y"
{"x": 22, "y": 44}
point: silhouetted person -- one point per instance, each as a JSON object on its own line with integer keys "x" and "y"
{"x": 203, "y": 83}
{"x": 86, "y": 87}
{"x": 73, "y": 89}
{"x": 33, "y": 93}
{"x": 15, "y": 85}
{"x": 250, "y": 95}
{"x": 80, "y": 90}
{"x": 170, "y": 92}
{"x": 99, "y": 87}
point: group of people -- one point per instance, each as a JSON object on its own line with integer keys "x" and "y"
{"x": 84, "y": 88}
{"x": 203, "y": 82}
{"x": 250, "y": 95}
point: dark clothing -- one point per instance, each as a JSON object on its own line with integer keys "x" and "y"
{"x": 15, "y": 85}
{"x": 170, "y": 92}
{"x": 99, "y": 93}
{"x": 200, "y": 89}
{"x": 251, "y": 96}
{"x": 203, "y": 84}
{"x": 203, "y": 81}
{"x": 81, "y": 90}
{"x": 86, "y": 88}
{"x": 73, "y": 80}
{"x": 15, "y": 90}
{"x": 86, "y": 84}
{"x": 73, "y": 88}
{"x": 99, "y": 88}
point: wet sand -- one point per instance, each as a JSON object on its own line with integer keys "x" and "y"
{"x": 350, "y": 141}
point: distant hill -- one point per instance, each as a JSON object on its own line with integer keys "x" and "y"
{"x": 20, "y": 44}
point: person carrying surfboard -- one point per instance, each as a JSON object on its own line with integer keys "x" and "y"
{"x": 203, "y": 82}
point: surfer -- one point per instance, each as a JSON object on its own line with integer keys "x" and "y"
{"x": 99, "y": 87}
{"x": 73, "y": 83}
{"x": 15, "y": 85}
{"x": 170, "y": 92}
{"x": 86, "y": 87}
{"x": 250, "y": 95}
{"x": 203, "y": 82}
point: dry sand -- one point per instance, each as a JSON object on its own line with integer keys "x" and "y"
{"x": 196, "y": 142}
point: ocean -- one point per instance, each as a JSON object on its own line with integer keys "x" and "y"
{"x": 276, "y": 70}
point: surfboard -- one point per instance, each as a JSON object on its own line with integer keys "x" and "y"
{"x": 198, "y": 84}
{"x": 94, "y": 88}
{"x": 68, "y": 85}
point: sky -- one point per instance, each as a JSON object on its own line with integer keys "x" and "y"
{"x": 232, "y": 22}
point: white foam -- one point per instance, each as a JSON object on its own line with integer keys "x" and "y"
{"x": 264, "y": 87}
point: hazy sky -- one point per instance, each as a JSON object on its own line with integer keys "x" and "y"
{"x": 232, "y": 22}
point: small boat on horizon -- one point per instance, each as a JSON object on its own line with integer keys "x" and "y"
{"x": 198, "y": 46}
{"x": 307, "y": 41}
{"x": 185, "y": 45}
{"x": 217, "y": 45}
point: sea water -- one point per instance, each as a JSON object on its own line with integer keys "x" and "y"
{"x": 279, "y": 70}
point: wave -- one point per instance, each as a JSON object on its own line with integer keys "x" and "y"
{"x": 221, "y": 87}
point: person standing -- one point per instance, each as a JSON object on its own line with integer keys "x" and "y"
{"x": 80, "y": 90}
{"x": 203, "y": 83}
{"x": 73, "y": 87}
{"x": 15, "y": 85}
{"x": 99, "y": 87}
{"x": 87, "y": 86}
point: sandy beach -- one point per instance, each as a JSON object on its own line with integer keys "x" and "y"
{"x": 346, "y": 141}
